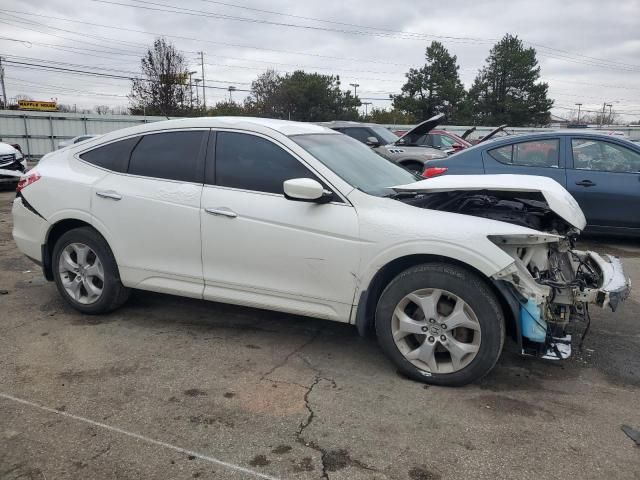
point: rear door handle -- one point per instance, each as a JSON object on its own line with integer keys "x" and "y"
{"x": 586, "y": 183}
{"x": 222, "y": 211}
{"x": 113, "y": 195}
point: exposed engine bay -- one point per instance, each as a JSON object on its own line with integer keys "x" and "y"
{"x": 551, "y": 283}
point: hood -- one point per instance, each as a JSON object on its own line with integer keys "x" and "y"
{"x": 556, "y": 196}
{"x": 6, "y": 149}
{"x": 493, "y": 133}
{"x": 422, "y": 129}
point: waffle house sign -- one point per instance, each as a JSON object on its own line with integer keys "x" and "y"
{"x": 37, "y": 105}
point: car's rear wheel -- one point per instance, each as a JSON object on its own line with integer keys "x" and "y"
{"x": 86, "y": 272}
{"x": 440, "y": 324}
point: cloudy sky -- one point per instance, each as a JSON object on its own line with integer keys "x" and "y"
{"x": 589, "y": 50}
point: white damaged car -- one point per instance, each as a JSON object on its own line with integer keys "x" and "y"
{"x": 297, "y": 218}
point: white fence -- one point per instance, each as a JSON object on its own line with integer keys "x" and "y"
{"x": 39, "y": 133}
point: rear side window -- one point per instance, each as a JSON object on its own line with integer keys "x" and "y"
{"x": 359, "y": 133}
{"x": 253, "y": 163}
{"x": 537, "y": 153}
{"x": 114, "y": 156}
{"x": 169, "y": 155}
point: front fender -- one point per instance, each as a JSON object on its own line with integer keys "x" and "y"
{"x": 482, "y": 256}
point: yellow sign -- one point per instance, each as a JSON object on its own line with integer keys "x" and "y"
{"x": 36, "y": 105}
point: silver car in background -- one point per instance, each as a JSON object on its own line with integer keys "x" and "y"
{"x": 403, "y": 150}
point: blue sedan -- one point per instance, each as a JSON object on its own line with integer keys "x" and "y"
{"x": 601, "y": 171}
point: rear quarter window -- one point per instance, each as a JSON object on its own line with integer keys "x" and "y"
{"x": 113, "y": 156}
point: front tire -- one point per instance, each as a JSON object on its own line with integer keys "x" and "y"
{"x": 440, "y": 324}
{"x": 86, "y": 272}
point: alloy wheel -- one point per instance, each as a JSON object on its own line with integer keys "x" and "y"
{"x": 81, "y": 273}
{"x": 436, "y": 330}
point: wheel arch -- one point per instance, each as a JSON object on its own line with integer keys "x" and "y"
{"x": 55, "y": 231}
{"x": 368, "y": 299}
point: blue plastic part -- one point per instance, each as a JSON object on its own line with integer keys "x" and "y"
{"x": 533, "y": 327}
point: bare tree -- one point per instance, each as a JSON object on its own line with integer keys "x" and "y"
{"x": 163, "y": 87}
{"x": 102, "y": 109}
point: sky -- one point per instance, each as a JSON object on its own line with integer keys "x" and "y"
{"x": 588, "y": 50}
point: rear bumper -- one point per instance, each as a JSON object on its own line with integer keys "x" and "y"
{"x": 29, "y": 230}
{"x": 615, "y": 286}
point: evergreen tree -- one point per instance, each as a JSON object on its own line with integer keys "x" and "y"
{"x": 434, "y": 88}
{"x": 507, "y": 89}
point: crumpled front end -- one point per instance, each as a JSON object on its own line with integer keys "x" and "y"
{"x": 554, "y": 285}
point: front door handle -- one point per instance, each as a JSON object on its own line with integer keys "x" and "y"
{"x": 222, "y": 211}
{"x": 586, "y": 183}
{"x": 113, "y": 195}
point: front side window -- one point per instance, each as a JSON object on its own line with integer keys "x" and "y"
{"x": 113, "y": 156}
{"x": 355, "y": 163}
{"x": 253, "y": 163}
{"x": 537, "y": 153}
{"x": 603, "y": 156}
{"x": 169, "y": 155}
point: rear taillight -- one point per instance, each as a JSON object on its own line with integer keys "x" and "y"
{"x": 27, "y": 180}
{"x": 430, "y": 172}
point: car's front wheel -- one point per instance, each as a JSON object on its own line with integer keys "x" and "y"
{"x": 440, "y": 324}
{"x": 86, "y": 272}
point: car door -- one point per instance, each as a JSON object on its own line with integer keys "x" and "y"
{"x": 261, "y": 249}
{"x": 532, "y": 157}
{"x": 604, "y": 178}
{"x": 150, "y": 212}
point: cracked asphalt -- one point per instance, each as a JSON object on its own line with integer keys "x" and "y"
{"x": 168, "y": 387}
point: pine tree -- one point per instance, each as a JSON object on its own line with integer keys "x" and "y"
{"x": 507, "y": 89}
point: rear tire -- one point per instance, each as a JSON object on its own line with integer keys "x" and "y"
{"x": 86, "y": 273}
{"x": 440, "y": 324}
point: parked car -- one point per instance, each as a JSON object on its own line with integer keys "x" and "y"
{"x": 496, "y": 132}
{"x": 601, "y": 171}
{"x": 403, "y": 151}
{"x": 74, "y": 140}
{"x": 12, "y": 164}
{"x": 297, "y": 218}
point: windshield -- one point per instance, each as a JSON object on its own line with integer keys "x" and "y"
{"x": 355, "y": 163}
{"x": 386, "y": 135}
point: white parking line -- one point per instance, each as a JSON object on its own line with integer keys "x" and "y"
{"x": 137, "y": 436}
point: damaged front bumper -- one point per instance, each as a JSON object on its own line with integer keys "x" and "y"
{"x": 615, "y": 286}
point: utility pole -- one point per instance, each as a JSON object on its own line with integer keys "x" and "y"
{"x": 366, "y": 110}
{"x": 609, "y": 105}
{"x": 579, "y": 105}
{"x": 204, "y": 97}
{"x": 197, "y": 80}
{"x": 231, "y": 89}
{"x": 191, "y": 89}
{"x": 4, "y": 91}
{"x": 604, "y": 105}
{"x": 355, "y": 88}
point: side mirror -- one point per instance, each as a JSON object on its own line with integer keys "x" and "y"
{"x": 373, "y": 141}
{"x": 306, "y": 190}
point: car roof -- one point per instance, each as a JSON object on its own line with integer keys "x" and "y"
{"x": 347, "y": 123}
{"x": 520, "y": 137}
{"x": 253, "y": 124}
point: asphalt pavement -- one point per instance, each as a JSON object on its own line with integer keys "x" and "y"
{"x": 168, "y": 387}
